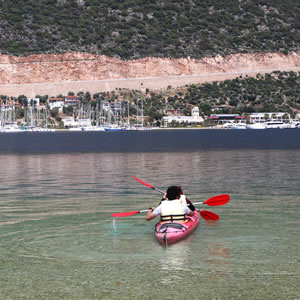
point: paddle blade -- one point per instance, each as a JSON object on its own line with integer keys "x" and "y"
{"x": 125, "y": 214}
{"x": 144, "y": 183}
{"x": 208, "y": 215}
{"x": 217, "y": 200}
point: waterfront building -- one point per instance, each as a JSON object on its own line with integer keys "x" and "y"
{"x": 71, "y": 100}
{"x": 55, "y": 102}
{"x": 71, "y": 122}
{"x": 225, "y": 118}
{"x": 33, "y": 101}
{"x": 269, "y": 116}
{"x": 219, "y": 108}
{"x": 194, "y": 119}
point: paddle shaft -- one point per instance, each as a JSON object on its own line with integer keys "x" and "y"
{"x": 213, "y": 201}
{"x": 162, "y": 192}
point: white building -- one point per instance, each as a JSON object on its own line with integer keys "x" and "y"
{"x": 263, "y": 117}
{"x": 225, "y": 118}
{"x": 195, "y": 118}
{"x": 33, "y": 101}
{"x": 71, "y": 100}
{"x": 71, "y": 122}
{"x": 56, "y": 103}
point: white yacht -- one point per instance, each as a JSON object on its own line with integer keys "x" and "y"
{"x": 256, "y": 126}
{"x": 227, "y": 125}
{"x": 239, "y": 126}
{"x": 276, "y": 124}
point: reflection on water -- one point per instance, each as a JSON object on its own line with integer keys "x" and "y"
{"x": 219, "y": 257}
{"x": 58, "y": 239}
{"x": 174, "y": 262}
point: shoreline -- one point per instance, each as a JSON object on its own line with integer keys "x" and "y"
{"x": 143, "y": 130}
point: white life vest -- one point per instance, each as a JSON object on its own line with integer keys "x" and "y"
{"x": 183, "y": 197}
{"x": 173, "y": 210}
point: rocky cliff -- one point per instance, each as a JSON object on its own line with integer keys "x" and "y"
{"x": 77, "y": 67}
{"x": 82, "y": 66}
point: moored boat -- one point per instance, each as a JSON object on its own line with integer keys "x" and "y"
{"x": 239, "y": 126}
{"x": 256, "y": 126}
{"x": 276, "y": 124}
{"x": 112, "y": 128}
{"x": 168, "y": 233}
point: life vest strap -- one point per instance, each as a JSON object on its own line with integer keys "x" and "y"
{"x": 172, "y": 218}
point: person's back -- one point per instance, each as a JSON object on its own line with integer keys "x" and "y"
{"x": 173, "y": 206}
{"x": 172, "y": 210}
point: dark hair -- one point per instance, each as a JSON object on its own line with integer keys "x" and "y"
{"x": 173, "y": 192}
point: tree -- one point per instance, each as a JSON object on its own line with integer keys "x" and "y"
{"x": 54, "y": 112}
{"x": 205, "y": 107}
{"x": 233, "y": 102}
{"x": 43, "y": 99}
{"x": 68, "y": 110}
{"x": 22, "y": 99}
{"x": 87, "y": 96}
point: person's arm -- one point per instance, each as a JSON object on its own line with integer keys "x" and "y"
{"x": 191, "y": 213}
{"x": 190, "y": 205}
{"x": 163, "y": 198}
{"x": 150, "y": 215}
{"x": 188, "y": 211}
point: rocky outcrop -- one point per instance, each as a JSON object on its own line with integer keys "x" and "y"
{"x": 82, "y": 66}
{"x": 59, "y": 74}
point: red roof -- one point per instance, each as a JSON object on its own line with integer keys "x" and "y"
{"x": 56, "y": 99}
{"x": 72, "y": 97}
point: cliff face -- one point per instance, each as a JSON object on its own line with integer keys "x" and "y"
{"x": 88, "y": 67}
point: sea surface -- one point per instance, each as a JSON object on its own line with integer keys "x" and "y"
{"x": 59, "y": 241}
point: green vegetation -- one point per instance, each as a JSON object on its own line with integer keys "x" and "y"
{"x": 278, "y": 91}
{"x": 140, "y": 28}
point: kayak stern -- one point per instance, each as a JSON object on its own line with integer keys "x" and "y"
{"x": 168, "y": 233}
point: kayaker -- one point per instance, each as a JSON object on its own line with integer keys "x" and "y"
{"x": 173, "y": 206}
{"x": 182, "y": 196}
{"x": 188, "y": 202}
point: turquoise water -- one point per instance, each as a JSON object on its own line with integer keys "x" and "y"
{"x": 59, "y": 241}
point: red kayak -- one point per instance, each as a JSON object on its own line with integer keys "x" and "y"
{"x": 168, "y": 233}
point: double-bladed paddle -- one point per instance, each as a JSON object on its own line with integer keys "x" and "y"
{"x": 216, "y": 200}
{"x": 207, "y": 215}
{"x": 129, "y": 213}
{"x": 149, "y": 185}
{"x": 213, "y": 201}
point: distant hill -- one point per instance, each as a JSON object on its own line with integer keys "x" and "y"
{"x": 141, "y": 28}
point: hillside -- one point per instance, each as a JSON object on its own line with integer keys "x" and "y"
{"x": 272, "y": 92}
{"x": 58, "y": 74}
{"x": 136, "y": 29}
